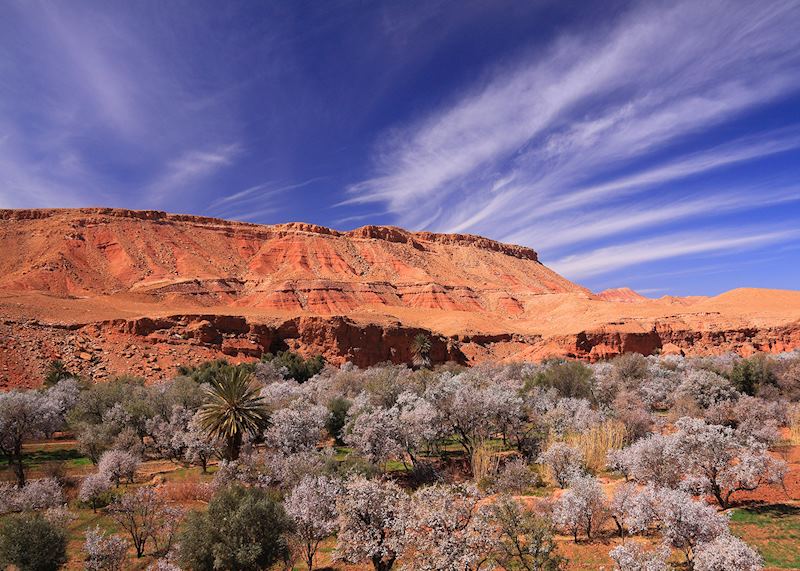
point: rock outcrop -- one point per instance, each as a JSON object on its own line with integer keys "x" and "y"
{"x": 114, "y": 291}
{"x": 621, "y": 294}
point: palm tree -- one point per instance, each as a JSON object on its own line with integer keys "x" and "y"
{"x": 421, "y": 350}
{"x": 233, "y": 408}
{"x": 56, "y": 371}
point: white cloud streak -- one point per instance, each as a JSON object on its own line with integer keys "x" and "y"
{"x": 612, "y": 258}
{"x": 551, "y": 145}
{"x": 96, "y": 111}
{"x": 189, "y": 168}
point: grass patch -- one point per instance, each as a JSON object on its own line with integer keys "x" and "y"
{"x": 774, "y": 530}
{"x": 34, "y": 458}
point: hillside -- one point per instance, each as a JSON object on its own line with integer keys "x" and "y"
{"x": 111, "y": 291}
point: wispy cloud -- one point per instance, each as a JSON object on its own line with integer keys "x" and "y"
{"x": 248, "y": 203}
{"x": 554, "y": 232}
{"x": 545, "y": 151}
{"x": 612, "y": 258}
{"x": 97, "y": 111}
{"x": 188, "y": 168}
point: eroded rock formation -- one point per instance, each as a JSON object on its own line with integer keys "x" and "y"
{"x": 117, "y": 291}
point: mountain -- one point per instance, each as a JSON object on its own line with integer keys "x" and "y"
{"x": 112, "y": 291}
{"x": 620, "y": 294}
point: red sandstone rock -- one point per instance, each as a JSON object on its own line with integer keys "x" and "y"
{"x": 620, "y": 294}
{"x": 128, "y": 288}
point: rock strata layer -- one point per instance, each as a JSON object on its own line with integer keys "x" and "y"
{"x": 113, "y": 291}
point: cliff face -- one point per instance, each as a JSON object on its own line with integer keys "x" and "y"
{"x": 112, "y": 291}
{"x": 287, "y": 267}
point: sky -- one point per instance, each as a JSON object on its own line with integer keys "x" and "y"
{"x": 654, "y": 145}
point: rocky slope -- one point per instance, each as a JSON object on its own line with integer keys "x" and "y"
{"x": 112, "y": 291}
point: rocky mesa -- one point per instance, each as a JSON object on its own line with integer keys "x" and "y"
{"x": 114, "y": 291}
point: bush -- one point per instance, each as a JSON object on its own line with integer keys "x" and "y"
{"x": 338, "y": 407}
{"x": 525, "y": 539}
{"x": 748, "y": 375}
{"x": 596, "y": 442}
{"x": 31, "y": 543}
{"x": 56, "y": 371}
{"x": 629, "y": 368}
{"x": 515, "y": 477}
{"x": 209, "y": 370}
{"x": 569, "y": 378}
{"x": 297, "y": 368}
{"x": 706, "y": 388}
{"x": 243, "y": 529}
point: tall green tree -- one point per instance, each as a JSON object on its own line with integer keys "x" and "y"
{"x": 233, "y": 409}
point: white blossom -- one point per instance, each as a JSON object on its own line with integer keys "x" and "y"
{"x": 372, "y": 522}
{"x": 118, "y": 464}
{"x": 297, "y": 428}
{"x": 447, "y": 531}
{"x": 686, "y": 523}
{"x": 374, "y": 434}
{"x": 23, "y": 415}
{"x": 582, "y": 507}
{"x": 632, "y": 557}
{"x": 198, "y": 446}
{"x": 719, "y": 464}
{"x": 286, "y": 470}
{"x": 654, "y": 459}
{"x": 727, "y": 552}
{"x": 312, "y": 507}
{"x": 93, "y": 488}
{"x": 572, "y": 415}
{"x": 564, "y": 461}
{"x": 40, "y": 494}
{"x": 104, "y": 552}
{"x": 706, "y": 388}
{"x": 625, "y": 508}
{"x": 58, "y": 401}
{"x": 415, "y": 422}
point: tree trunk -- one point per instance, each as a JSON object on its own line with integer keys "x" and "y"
{"x": 723, "y": 502}
{"x": 19, "y": 470}
{"x": 620, "y": 528}
{"x": 233, "y": 447}
{"x": 380, "y": 565}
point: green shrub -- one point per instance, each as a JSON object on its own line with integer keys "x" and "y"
{"x": 57, "y": 371}
{"x": 243, "y": 529}
{"x": 748, "y": 375}
{"x": 338, "y": 407}
{"x": 31, "y": 543}
{"x": 205, "y": 372}
{"x": 569, "y": 378}
{"x": 297, "y": 368}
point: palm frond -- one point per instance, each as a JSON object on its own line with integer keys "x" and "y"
{"x": 234, "y": 406}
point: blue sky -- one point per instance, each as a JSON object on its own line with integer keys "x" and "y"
{"x": 654, "y": 145}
